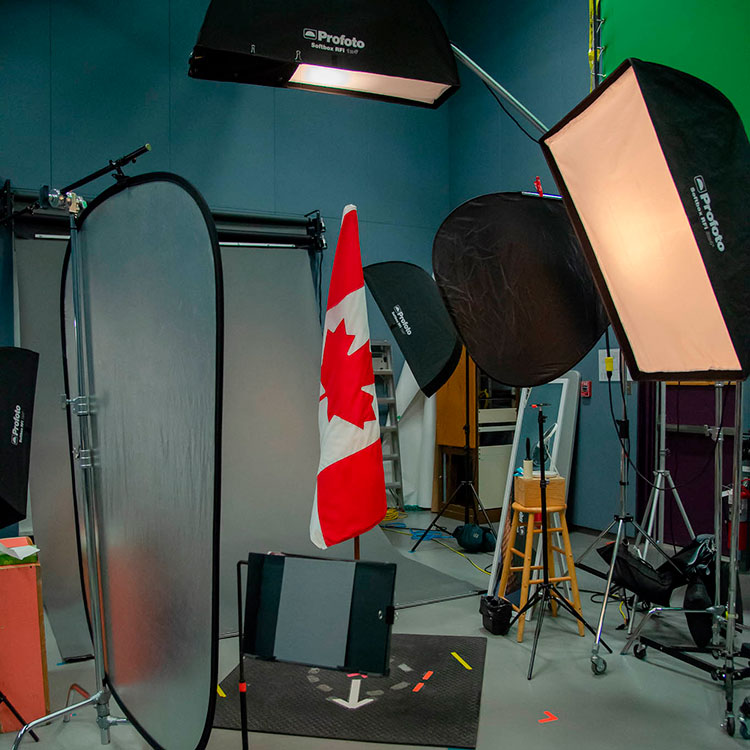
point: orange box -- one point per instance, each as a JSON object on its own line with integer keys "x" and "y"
{"x": 527, "y": 492}
{"x": 23, "y": 657}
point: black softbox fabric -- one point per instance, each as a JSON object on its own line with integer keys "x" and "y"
{"x": 18, "y": 369}
{"x": 515, "y": 282}
{"x": 410, "y": 302}
{"x": 262, "y": 42}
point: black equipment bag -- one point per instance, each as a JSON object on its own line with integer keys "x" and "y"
{"x": 640, "y": 577}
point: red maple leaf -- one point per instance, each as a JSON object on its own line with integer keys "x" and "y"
{"x": 343, "y": 375}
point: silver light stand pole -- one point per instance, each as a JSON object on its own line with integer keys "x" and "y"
{"x": 81, "y": 406}
{"x": 717, "y": 433}
{"x": 85, "y": 452}
{"x": 621, "y": 520}
{"x": 731, "y": 622}
{"x": 663, "y": 478}
{"x": 654, "y": 512}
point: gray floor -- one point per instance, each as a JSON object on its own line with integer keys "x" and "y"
{"x": 656, "y": 703}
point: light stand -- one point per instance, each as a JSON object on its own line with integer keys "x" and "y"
{"x": 621, "y": 520}
{"x": 468, "y": 496}
{"x": 81, "y": 407}
{"x": 726, "y": 672}
{"x": 662, "y": 480}
{"x": 654, "y": 512}
{"x": 546, "y": 592}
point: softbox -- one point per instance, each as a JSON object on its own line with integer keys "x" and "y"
{"x": 410, "y": 302}
{"x": 150, "y": 279}
{"x": 392, "y": 50}
{"x": 18, "y": 369}
{"x": 654, "y": 167}
{"x": 516, "y": 284}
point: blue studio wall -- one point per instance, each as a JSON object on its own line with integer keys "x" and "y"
{"x": 84, "y": 82}
{"x": 538, "y": 51}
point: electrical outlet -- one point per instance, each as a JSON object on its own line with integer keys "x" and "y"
{"x": 615, "y": 354}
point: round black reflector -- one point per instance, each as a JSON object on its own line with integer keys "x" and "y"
{"x": 515, "y": 282}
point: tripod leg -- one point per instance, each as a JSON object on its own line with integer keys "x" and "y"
{"x": 482, "y": 508}
{"x": 436, "y": 519}
{"x": 596, "y": 541}
{"x": 600, "y": 626}
{"x": 680, "y": 506}
{"x": 19, "y": 718}
{"x": 530, "y": 604}
{"x": 573, "y": 611}
{"x": 538, "y": 630}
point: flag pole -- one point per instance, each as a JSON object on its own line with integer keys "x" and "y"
{"x": 356, "y": 547}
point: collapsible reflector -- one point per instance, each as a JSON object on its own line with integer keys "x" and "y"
{"x": 410, "y": 302}
{"x": 654, "y": 167}
{"x": 17, "y": 387}
{"x": 392, "y": 50}
{"x": 152, "y": 293}
{"x": 517, "y": 287}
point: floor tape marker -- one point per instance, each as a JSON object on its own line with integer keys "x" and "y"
{"x": 459, "y": 659}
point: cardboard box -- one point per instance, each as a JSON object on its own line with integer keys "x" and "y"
{"x": 527, "y": 492}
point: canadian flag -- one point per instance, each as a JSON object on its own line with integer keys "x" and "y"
{"x": 350, "y": 489}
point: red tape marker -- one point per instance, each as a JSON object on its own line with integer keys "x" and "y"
{"x": 550, "y": 717}
{"x": 243, "y": 687}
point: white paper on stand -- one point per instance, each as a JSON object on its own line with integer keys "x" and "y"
{"x": 20, "y": 553}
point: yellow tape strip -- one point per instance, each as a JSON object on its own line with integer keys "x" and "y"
{"x": 459, "y": 659}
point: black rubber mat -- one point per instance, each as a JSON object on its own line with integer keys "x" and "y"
{"x": 431, "y": 696}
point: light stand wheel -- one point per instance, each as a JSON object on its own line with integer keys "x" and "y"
{"x": 729, "y": 726}
{"x": 639, "y": 651}
{"x": 598, "y": 665}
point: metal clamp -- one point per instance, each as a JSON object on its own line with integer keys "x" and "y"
{"x": 80, "y": 405}
{"x": 85, "y": 458}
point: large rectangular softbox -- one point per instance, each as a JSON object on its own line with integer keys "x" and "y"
{"x": 18, "y": 369}
{"x": 654, "y": 168}
{"x": 392, "y": 50}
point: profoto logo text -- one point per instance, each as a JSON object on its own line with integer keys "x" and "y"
{"x": 401, "y": 322}
{"x": 702, "y": 200}
{"x": 320, "y": 39}
{"x": 16, "y": 432}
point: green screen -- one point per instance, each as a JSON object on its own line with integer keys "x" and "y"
{"x": 706, "y": 39}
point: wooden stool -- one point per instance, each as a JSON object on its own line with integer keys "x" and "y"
{"x": 532, "y": 527}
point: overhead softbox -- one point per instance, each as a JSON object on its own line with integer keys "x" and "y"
{"x": 393, "y": 50}
{"x": 18, "y": 369}
{"x": 654, "y": 167}
{"x": 410, "y": 302}
{"x": 152, "y": 300}
{"x": 516, "y": 284}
